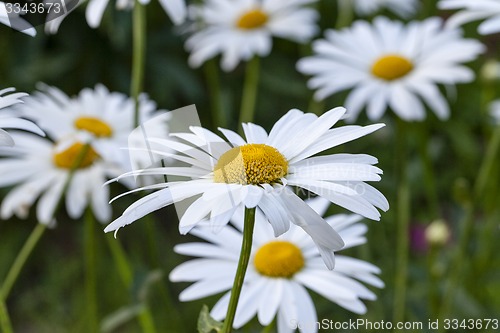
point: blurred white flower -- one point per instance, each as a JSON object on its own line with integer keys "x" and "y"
{"x": 10, "y": 18}
{"x": 279, "y": 272}
{"x": 36, "y": 167}
{"x": 495, "y": 111}
{"x": 176, "y": 10}
{"x": 437, "y": 233}
{"x": 388, "y": 64}
{"x": 403, "y": 8}
{"x": 107, "y": 117}
{"x": 241, "y": 29}
{"x": 9, "y": 121}
{"x": 473, "y": 10}
{"x": 259, "y": 171}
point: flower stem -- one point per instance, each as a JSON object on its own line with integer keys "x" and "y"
{"x": 250, "y": 88}
{"x": 344, "y": 14}
{"x": 457, "y": 264}
{"x": 246, "y": 249}
{"x": 90, "y": 272}
{"x": 125, "y": 272}
{"x": 488, "y": 164}
{"x": 212, "y": 76}
{"x": 428, "y": 171}
{"x": 5, "y": 323}
{"x": 403, "y": 222}
{"x": 138, "y": 56}
{"x": 20, "y": 260}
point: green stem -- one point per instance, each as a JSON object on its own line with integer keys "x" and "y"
{"x": 125, "y": 272}
{"x": 488, "y": 164}
{"x": 90, "y": 272}
{"x": 5, "y": 323}
{"x": 212, "y": 75}
{"x": 246, "y": 249}
{"x": 138, "y": 56}
{"x": 20, "y": 260}
{"x": 345, "y": 14}
{"x": 250, "y": 88}
{"x": 433, "y": 280}
{"x": 174, "y": 316}
{"x": 460, "y": 257}
{"x": 403, "y": 223}
{"x": 428, "y": 171}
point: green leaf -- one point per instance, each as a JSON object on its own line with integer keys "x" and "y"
{"x": 120, "y": 317}
{"x": 206, "y": 323}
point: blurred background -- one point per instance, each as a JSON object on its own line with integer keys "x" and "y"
{"x": 49, "y": 295}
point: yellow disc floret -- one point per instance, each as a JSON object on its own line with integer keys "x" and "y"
{"x": 251, "y": 164}
{"x": 69, "y": 157}
{"x": 278, "y": 259}
{"x": 391, "y": 67}
{"x": 94, "y": 125}
{"x": 252, "y": 19}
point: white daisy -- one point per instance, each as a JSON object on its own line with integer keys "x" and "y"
{"x": 8, "y": 121}
{"x": 279, "y": 272}
{"x": 404, "y": 8}
{"x": 473, "y": 10}
{"x": 108, "y": 117}
{"x": 39, "y": 168}
{"x": 259, "y": 171}
{"x": 240, "y": 29}
{"x": 175, "y": 9}
{"x": 13, "y": 20}
{"x": 391, "y": 65}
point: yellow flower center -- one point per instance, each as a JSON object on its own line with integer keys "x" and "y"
{"x": 391, "y": 67}
{"x": 278, "y": 259}
{"x": 67, "y": 158}
{"x": 252, "y": 19}
{"x": 94, "y": 125}
{"x": 251, "y": 164}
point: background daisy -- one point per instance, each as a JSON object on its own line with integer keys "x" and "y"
{"x": 280, "y": 272}
{"x": 240, "y": 29}
{"x": 473, "y": 10}
{"x": 107, "y": 118}
{"x": 404, "y": 8}
{"x": 176, "y": 10}
{"x": 38, "y": 168}
{"x": 9, "y": 121}
{"x": 258, "y": 171}
{"x": 388, "y": 64}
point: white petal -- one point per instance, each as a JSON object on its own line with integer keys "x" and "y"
{"x": 176, "y": 10}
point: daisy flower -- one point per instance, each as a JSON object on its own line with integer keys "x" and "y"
{"x": 473, "y": 10}
{"x": 279, "y": 274}
{"x": 107, "y": 117}
{"x": 388, "y": 64}
{"x": 13, "y": 20}
{"x": 38, "y": 168}
{"x": 175, "y": 9}
{"x": 240, "y": 29}
{"x": 404, "y": 8}
{"x": 259, "y": 171}
{"x": 7, "y": 121}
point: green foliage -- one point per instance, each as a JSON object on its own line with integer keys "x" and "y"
{"x": 207, "y": 324}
